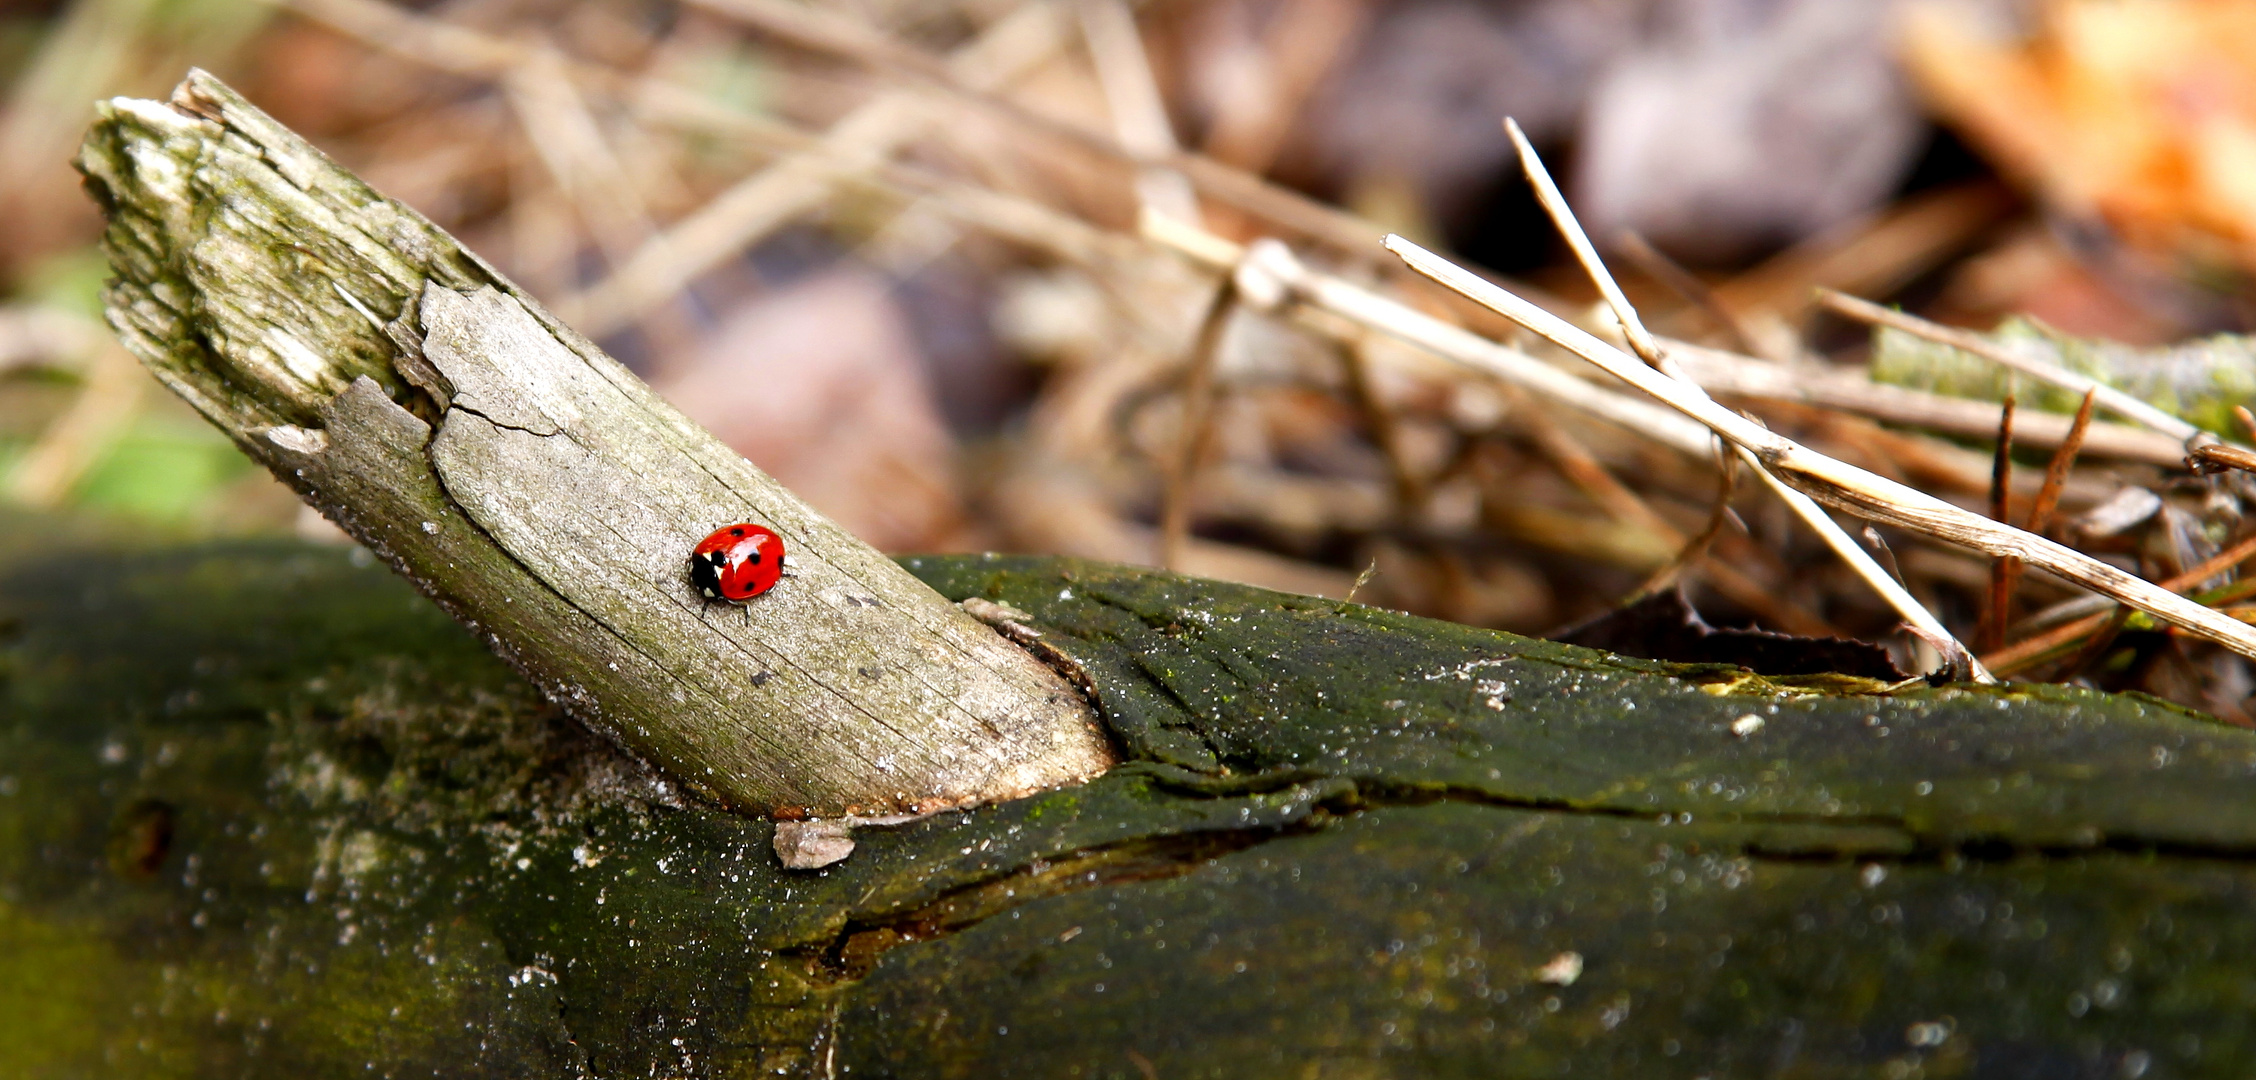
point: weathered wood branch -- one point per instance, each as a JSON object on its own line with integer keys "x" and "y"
{"x": 539, "y": 491}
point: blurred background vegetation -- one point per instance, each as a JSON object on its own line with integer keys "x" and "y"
{"x": 888, "y": 250}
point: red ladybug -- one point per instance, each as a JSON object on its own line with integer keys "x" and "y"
{"x": 737, "y": 562}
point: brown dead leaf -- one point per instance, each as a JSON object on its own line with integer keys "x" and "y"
{"x": 2140, "y": 113}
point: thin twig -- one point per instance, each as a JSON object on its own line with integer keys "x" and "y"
{"x": 1633, "y": 329}
{"x": 1850, "y": 489}
{"x": 1302, "y": 44}
{"x": 1874, "y": 254}
{"x": 813, "y": 165}
{"x": 1198, "y": 426}
{"x": 571, "y": 145}
{"x": 1272, "y": 279}
{"x": 1582, "y": 468}
{"x": 1719, "y": 515}
{"x": 2113, "y": 400}
{"x": 1378, "y": 416}
{"x": 2002, "y": 569}
{"x": 458, "y": 49}
{"x": 1657, "y": 265}
{"x": 2057, "y": 470}
{"x": 2029, "y": 652}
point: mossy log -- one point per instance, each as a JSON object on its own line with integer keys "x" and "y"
{"x": 264, "y": 812}
{"x": 539, "y": 491}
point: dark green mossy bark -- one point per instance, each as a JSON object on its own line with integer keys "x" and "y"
{"x": 266, "y": 812}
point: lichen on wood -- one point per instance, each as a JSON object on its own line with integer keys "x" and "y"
{"x": 539, "y": 491}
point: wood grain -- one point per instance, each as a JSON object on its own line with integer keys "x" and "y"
{"x": 541, "y": 492}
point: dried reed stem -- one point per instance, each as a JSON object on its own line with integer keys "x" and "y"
{"x": 2023, "y": 655}
{"x": 2110, "y": 398}
{"x": 1271, "y": 279}
{"x": 1843, "y": 486}
{"x": 1832, "y": 389}
{"x": 1641, "y": 342}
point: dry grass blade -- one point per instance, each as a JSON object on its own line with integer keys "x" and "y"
{"x": 1139, "y": 114}
{"x": 458, "y": 49}
{"x": 1271, "y": 278}
{"x": 2113, "y": 400}
{"x": 765, "y": 201}
{"x": 1582, "y": 468}
{"x": 818, "y": 163}
{"x": 1562, "y": 218}
{"x": 1843, "y": 486}
{"x": 1958, "y": 659}
{"x": 843, "y": 36}
{"x": 2030, "y": 652}
{"x": 1808, "y": 384}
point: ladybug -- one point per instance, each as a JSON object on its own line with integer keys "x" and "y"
{"x": 737, "y": 562}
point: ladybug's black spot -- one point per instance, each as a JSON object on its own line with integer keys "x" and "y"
{"x": 736, "y": 532}
{"x": 754, "y": 559}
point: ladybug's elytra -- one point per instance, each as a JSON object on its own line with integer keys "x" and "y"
{"x": 737, "y": 562}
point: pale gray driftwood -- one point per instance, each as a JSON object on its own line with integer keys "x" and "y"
{"x": 542, "y": 493}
